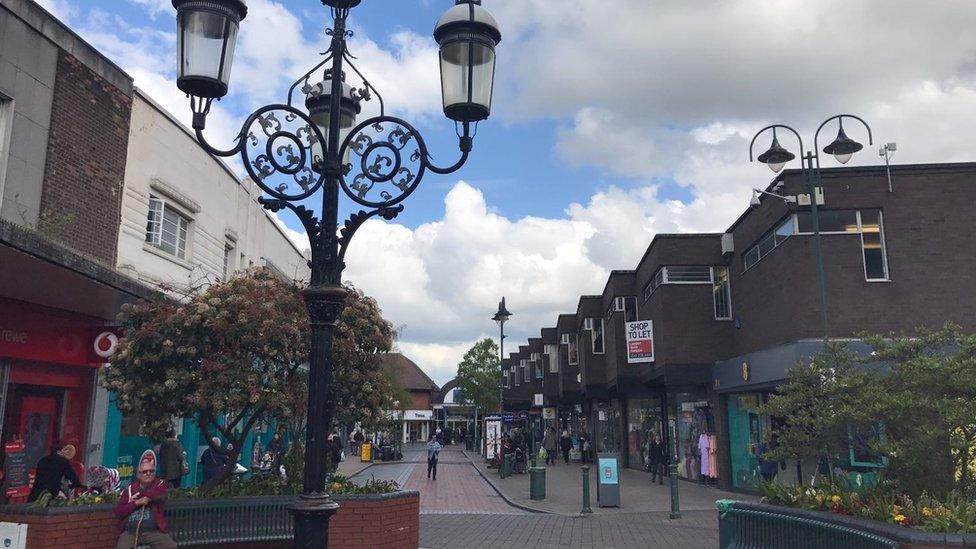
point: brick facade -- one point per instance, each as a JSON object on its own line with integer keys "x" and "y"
{"x": 86, "y": 156}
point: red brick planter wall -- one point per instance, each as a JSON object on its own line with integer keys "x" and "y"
{"x": 382, "y": 522}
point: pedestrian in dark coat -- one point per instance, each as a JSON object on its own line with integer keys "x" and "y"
{"x": 212, "y": 461}
{"x": 172, "y": 460}
{"x": 655, "y": 458}
{"x": 566, "y": 444}
{"x": 51, "y": 470}
{"x": 433, "y": 452}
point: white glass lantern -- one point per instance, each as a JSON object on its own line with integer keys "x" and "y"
{"x": 206, "y": 33}
{"x": 467, "y": 35}
{"x": 318, "y": 101}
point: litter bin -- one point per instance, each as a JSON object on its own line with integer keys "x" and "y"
{"x": 508, "y": 465}
{"x": 366, "y": 452}
{"x": 537, "y": 482}
{"x": 386, "y": 453}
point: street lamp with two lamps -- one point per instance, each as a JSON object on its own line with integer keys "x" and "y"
{"x": 776, "y": 157}
{"x": 291, "y": 153}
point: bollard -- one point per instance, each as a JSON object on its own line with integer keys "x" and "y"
{"x": 586, "y": 489}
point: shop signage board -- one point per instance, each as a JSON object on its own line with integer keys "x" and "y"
{"x": 548, "y": 413}
{"x": 538, "y": 399}
{"x": 640, "y": 341}
{"x": 15, "y": 470}
{"x": 608, "y": 485}
{"x": 523, "y": 415}
{"x": 418, "y": 415}
{"x": 508, "y": 417}
{"x": 49, "y": 335}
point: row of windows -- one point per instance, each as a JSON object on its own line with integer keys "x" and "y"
{"x": 866, "y": 223}
{"x": 718, "y": 277}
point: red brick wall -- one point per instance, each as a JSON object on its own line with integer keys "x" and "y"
{"x": 420, "y": 400}
{"x": 86, "y": 155}
{"x": 382, "y": 524}
{"x": 95, "y": 530}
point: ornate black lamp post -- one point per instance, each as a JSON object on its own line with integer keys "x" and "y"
{"x": 292, "y": 154}
{"x": 843, "y": 148}
{"x": 501, "y": 317}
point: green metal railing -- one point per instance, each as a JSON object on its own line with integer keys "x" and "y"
{"x": 753, "y": 529}
{"x": 230, "y": 520}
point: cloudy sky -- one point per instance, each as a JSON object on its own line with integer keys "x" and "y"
{"x": 613, "y": 120}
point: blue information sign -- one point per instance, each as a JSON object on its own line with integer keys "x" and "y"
{"x": 608, "y": 470}
{"x": 508, "y": 417}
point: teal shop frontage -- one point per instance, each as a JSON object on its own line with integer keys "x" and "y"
{"x": 123, "y": 445}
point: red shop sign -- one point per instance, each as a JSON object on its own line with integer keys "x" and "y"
{"x": 31, "y": 332}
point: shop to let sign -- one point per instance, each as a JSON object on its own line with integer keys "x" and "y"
{"x": 640, "y": 341}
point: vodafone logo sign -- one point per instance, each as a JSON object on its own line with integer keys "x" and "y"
{"x": 105, "y": 344}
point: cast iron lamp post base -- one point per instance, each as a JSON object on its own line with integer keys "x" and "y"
{"x": 312, "y": 513}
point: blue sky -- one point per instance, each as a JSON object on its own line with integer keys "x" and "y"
{"x": 613, "y": 120}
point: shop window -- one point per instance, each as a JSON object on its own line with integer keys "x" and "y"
{"x": 166, "y": 228}
{"x": 721, "y": 293}
{"x": 597, "y": 335}
{"x": 873, "y": 245}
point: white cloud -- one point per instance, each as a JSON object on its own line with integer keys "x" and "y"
{"x": 62, "y": 9}
{"x": 155, "y": 7}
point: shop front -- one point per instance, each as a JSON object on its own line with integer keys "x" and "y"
{"x": 49, "y": 362}
{"x": 606, "y": 426}
{"x": 695, "y": 435}
{"x": 748, "y": 429}
{"x": 644, "y": 421}
{"x": 417, "y": 425}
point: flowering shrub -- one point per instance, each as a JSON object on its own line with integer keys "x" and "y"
{"x": 883, "y": 502}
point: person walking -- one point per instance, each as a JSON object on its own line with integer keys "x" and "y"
{"x": 141, "y": 511}
{"x": 172, "y": 459}
{"x": 655, "y": 458}
{"x": 549, "y": 443}
{"x": 278, "y": 449}
{"x": 433, "y": 451}
{"x": 212, "y": 461}
{"x": 566, "y": 444}
{"x": 51, "y": 471}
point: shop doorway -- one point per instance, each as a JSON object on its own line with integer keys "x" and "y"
{"x": 33, "y": 415}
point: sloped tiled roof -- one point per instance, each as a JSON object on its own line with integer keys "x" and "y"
{"x": 407, "y": 373}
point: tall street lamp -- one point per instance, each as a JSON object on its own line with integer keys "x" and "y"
{"x": 501, "y": 317}
{"x": 776, "y": 157}
{"x": 292, "y": 150}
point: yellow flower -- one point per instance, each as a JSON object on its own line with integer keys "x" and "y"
{"x": 835, "y": 498}
{"x": 900, "y": 518}
{"x": 819, "y": 498}
{"x": 926, "y": 511}
{"x": 98, "y": 499}
{"x": 896, "y": 509}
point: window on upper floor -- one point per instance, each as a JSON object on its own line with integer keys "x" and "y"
{"x": 625, "y": 305}
{"x": 572, "y": 351}
{"x": 524, "y": 363}
{"x": 515, "y": 375}
{"x": 597, "y": 336}
{"x": 166, "y": 228}
{"x": 721, "y": 293}
{"x": 508, "y": 382}
{"x": 6, "y": 128}
{"x": 866, "y": 223}
{"x": 228, "y": 259}
{"x": 538, "y": 369}
{"x": 552, "y": 352}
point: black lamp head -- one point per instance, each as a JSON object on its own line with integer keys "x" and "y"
{"x": 843, "y": 147}
{"x": 776, "y": 156}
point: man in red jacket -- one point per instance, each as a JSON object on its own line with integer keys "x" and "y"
{"x": 141, "y": 512}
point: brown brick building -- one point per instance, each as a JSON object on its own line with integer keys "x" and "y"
{"x": 64, "y": 127}
{"x": 732, "y": 312}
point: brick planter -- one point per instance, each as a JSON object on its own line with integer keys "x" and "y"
{"x": 388, "y": 521}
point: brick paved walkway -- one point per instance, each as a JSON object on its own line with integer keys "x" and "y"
{"x": 695, "y": 530}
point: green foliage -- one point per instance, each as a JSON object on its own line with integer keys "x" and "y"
{"x": 921, "y": 388}
{"x": 273, "y": 485}
{"x": 228, "y": 356}
{"x": 883, "y": 502}
{"x": 479, "y": 374}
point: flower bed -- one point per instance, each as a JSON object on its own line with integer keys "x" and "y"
{"x": 954, "y": 514}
